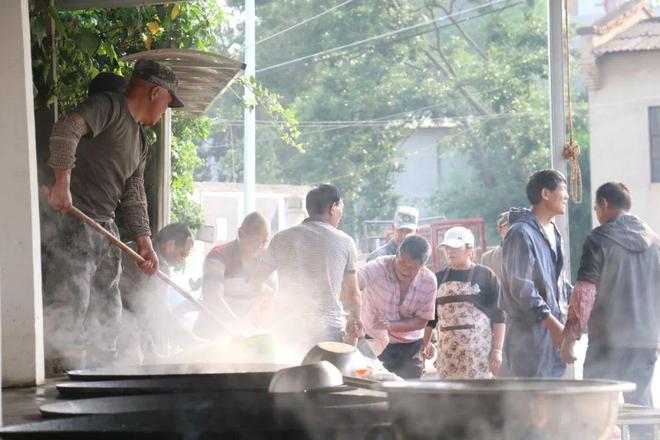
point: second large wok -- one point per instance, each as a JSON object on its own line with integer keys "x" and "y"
{"x": 512, "y": 409}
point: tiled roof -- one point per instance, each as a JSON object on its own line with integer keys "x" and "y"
{"x": 615, "y": 17}
{"x": 645, "y": 35}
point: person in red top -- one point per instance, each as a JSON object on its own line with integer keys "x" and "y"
{"x": 227, "y": 270}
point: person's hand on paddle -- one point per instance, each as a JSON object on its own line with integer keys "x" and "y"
{"x": 146, "y": 250}
{"x": 59, "y": 196}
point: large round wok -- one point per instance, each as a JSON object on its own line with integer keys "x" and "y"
{"x": 237, "y": 375}
{"x": 512, "y": 409}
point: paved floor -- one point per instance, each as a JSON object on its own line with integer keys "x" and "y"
{"x": 21, "y": 405}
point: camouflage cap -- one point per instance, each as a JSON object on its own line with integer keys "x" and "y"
{"x": 160, "y": 75}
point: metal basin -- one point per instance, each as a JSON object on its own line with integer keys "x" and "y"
{"x": 309, "y": 377}
{"x": 345, "y": 357}
{"x": 512, "y": 409}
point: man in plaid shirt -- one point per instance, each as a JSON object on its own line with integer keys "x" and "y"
{"x": 398, "y": 300}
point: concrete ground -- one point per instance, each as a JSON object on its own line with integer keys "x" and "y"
{"x": 21, "y": 405}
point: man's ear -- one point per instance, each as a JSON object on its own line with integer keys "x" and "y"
{"x": 153, "y": 93}
{"x": 545, "y": 193}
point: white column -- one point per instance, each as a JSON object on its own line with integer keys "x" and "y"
{"x": 557, "y": 114}
{"x": 557, "y": 122}
{"x": 249, "y": 125}
{"x": 166, "y": 177}
{"x": 20, "y": 259}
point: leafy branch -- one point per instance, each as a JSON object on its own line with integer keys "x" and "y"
{"x": 283, "y": 119}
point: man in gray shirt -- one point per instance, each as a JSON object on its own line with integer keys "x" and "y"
{"x": 316, "y": 266}
{"x": 98, "y": 155}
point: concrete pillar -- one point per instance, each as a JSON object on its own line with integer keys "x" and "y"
{"x": 20, "y": 260}
{"x": 158, "y": 175}
{"x": 557, "y": 113}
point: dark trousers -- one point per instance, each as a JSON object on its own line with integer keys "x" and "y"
{"x": 82, "y": 305}
{"x": 630, "y": 364}
{"x": 403, "y": 359}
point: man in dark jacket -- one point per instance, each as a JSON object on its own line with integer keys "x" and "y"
{"x": 617, "y": 294}
{"x": 535, "y": 293}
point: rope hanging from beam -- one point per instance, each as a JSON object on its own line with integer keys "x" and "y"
{"x": 571, "y": 151}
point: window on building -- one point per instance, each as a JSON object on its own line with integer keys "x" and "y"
{"x": 654, "y": 135}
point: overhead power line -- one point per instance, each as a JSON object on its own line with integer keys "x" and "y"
{"x": 307, "y": 20}
{"x": 378, "y": 37}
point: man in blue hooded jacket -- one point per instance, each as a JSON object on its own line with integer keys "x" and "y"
{"x": 535, "y": 293}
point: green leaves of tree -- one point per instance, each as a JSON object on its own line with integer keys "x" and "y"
{"x": 93, "y": 40}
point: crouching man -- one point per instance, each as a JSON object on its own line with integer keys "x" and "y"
{"x": 398, "y": 300}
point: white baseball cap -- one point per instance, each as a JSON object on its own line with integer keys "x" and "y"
{"x": 406, "y": 217}
{"x": 457, "y": 237}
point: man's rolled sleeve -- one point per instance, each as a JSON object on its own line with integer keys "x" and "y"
{"x": 518, "y": 263}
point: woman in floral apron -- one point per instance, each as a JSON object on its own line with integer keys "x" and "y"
{"x": 468, "y": 320}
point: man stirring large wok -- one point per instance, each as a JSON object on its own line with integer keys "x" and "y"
{"x": 316, "y": 266}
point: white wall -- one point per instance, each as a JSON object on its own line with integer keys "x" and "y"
{"x": 619, "y": 128}
{"x": 22, "y": 333}
{"x": 420, "y": 159}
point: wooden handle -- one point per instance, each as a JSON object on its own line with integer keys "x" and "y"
{"x": 139, "y": 259}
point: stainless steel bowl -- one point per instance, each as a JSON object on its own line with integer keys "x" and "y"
{"x": 303, "y": 378}
{"x": 512, "y": 409}
{"x": 345, "y": 357}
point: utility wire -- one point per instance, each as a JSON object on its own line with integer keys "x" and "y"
{"x": 377, "y": 37}
{"x": 307, "y": 20}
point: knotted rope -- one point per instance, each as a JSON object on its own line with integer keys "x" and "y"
{"x": 571, "y": 150}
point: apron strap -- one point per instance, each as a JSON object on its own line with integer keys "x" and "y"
{"x": 445, "y": 276}
{"x": 471, "y": 274}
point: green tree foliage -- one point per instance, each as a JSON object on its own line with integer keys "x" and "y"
{"x": 486, "y": 70}
{"x": 93, "y": 40}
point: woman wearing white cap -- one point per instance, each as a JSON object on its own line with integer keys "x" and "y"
{"x": 468, "y": 318}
